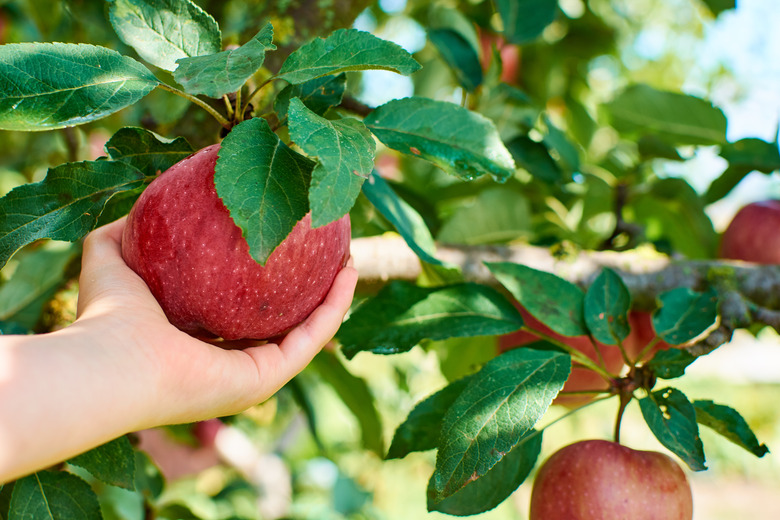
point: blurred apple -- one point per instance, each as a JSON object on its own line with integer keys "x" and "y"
{"x": 510, "y": 56}
{"x": 754, "y": 234}
{"x": 584, "y": 379}
{"x": 602, "y": 480}
{"x": 581, "y": 379}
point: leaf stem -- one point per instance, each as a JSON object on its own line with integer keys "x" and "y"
{"x": 251, "y": 96}
{"x": 574, "y": 353}
{"x": 228, "y": 106}
{"x": 623, "y": 353}
{"x": 648, "y": 348}
{"x": 570, "y": 412}
{"x": 202, "y": 104}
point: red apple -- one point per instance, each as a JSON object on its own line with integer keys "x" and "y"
{"x": 581, "y": 379}
{"x": 181, "y": 240}
{"x": 754, "y": 234}
{"x": 602, "y": 480}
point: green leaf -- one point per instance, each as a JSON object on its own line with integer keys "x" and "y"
{"x": 356, "y": 395}
{"x": 459, "y": 55}
{"x": 669, "y": 364}
{"x": 37, "y": 274}
{"x": 718, "y": 6}
{"x": 607, "y": 303}
{"x": 497, "y": 484}
{"x": 535, "y": 158}
{"x": 318, "y": 95}
{"x": 723, "y": 185}
{"x": 343, "y": 50}
{"x": 53, "y": 85}
{"x": 149, "y": 152}
{"x": 652, "y": 146}
{"x": 684, "y": 315}
{"x": 345, "y": 151}
{"x": 403, "y": 314}
{"x": 5, "y": 499}
{"x": 409, "y": 224}
{"x": 163, "y": 31}
{"x": 556, "y": 140}
{"x": 496, "y": 215}
{"x": 554, "y": 301}
{"x": 730, "y": 424}
{"x": 218, "y": 74}
{"x": 672, "y": 419}
{"x": 149, "y": 481}
{"x": 64, "y": 206}
{"x": 53, "y": 495}
{"x": 677, "y": 118}
{"x": 500, "y": 405}
{"x": 459, "y": 141}
{"x": 422, "y": 428}
{"x": 112, "y": 463}
{"x": 525, "y": 20}
{"x": 673, "y": 213}
{"x": 752, "y": 153}
{"x": 442, "y": 17}
{"x": 264, "y": 185}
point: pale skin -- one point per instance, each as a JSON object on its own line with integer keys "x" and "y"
{"x": 121, "y": 367}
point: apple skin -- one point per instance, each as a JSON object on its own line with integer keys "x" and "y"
{"x": 752, "y": 235}
{"x": 181, "y": 240}
{"x": 602, "y": 480}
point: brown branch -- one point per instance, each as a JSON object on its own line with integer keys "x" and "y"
{"x": 749, "y": 293}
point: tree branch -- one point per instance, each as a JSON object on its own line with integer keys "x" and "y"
{"x": 750, "y": 293}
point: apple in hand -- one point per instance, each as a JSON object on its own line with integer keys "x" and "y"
{"x": 181, "y": 240}
{"x": 602, "y": 480}
{"x": 754, "y": 234}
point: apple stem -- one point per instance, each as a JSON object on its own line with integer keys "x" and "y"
{"x": 625, "y": 398}
{"x": 202, "y": 104}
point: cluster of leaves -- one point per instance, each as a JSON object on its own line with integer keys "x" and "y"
{"x": 307, "y": 153}
{"x": 483, "y": 424}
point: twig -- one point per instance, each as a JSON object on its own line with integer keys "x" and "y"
{"x": 202, "y": 104}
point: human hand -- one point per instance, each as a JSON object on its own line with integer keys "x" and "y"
{"x": 188, "y": 379}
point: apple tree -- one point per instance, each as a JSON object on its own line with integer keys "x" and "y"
{"x": 508, "y": 207}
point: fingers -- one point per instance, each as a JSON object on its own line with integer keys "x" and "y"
{"x": 103, "y": 271}
{"x": 302, "y": 343}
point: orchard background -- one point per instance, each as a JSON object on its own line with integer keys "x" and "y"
{"x": 570, "y": 136}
